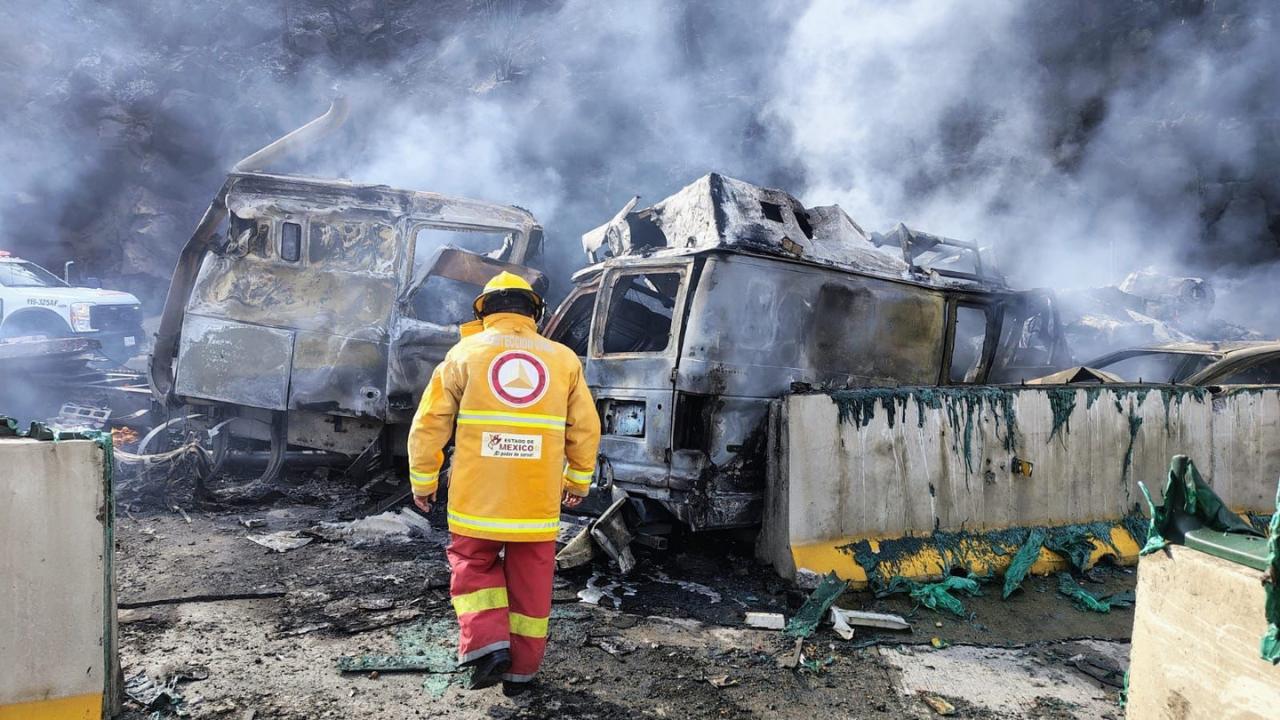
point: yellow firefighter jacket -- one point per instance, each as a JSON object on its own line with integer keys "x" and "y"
{"x": 526, "y": 429}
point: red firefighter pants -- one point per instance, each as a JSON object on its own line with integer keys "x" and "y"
{"x": 502, "y": 602}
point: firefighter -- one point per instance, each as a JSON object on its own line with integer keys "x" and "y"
{"x": 527, "y": 435}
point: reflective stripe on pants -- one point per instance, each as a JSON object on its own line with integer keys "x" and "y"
{"x": 502, "y": 602}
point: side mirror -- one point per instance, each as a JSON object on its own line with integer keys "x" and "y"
{"x": 93, "y": 282}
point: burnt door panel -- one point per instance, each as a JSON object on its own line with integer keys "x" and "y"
{"x": 632, "y": 368}
{"x": 234, "y": 362}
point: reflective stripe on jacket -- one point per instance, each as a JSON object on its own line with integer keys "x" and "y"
{"x": 526, "y": 430}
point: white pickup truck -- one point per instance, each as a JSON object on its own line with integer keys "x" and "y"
{"x": 35, "y": 302}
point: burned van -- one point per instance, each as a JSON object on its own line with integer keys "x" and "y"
{"x": 310, "y": 313}
{"x": 701, "y": 309}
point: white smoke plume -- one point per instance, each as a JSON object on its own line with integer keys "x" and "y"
{"x": 1082, "y": 139}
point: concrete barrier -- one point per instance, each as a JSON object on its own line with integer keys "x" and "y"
{"x": 918, "y": 481}
{"x": 1196, "y": 631}
{"x": 57, "y": 602}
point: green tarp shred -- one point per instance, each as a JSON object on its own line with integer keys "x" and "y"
{"x": 1083, "y": 599}
{"x": 1188, "y": 502}
{"x": 1271, "y": 639}
{"x": 1074, "y": 543}
{"x": 1022, "y": 561}
{"x": 936, "y": 596}
{"x": 815, "y": 608}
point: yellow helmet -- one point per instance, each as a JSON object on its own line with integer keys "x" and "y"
{"x": 504, "y": 283}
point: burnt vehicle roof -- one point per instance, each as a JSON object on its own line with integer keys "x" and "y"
{"x": 1226, "y": 356}
{"x": 720, "y": 213}
{"x": 1210, "y": 348}
{"x": 285, "y": 191}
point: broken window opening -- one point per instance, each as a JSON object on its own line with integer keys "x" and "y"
{"x": 772, "y": 211}
{"x": 802, "y": 219}
{"x": 427, "y": 240}
{"x": 1027, "y": 336}
{"x": 444, "y": 301}
{"x": 245, "y": 236}
{"x": 290, "y": 242}
{"x": 641, "y": 308}
{"x": 969, "y": 343}
{"x": 1154, "y": 367}
{"x": 574, "y": 329}
{"x": 1265, "y": 373}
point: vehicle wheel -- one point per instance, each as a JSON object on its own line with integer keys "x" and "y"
{"x": 34, "y": 325}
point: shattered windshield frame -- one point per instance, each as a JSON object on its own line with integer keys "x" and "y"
{"x": 653, "y": 300}
{"x": 1177, "y": 366}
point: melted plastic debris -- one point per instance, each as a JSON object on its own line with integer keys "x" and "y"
{"x": 388, "y": 527}
{"x": 687, "y": 586}
{"x": 600, "y": 587}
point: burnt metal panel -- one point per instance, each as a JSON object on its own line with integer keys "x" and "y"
{"x": 235, "y": 362}
{"x": 350, "y": 436}
{"x": 268, "y": 291}
{"x": 785, "y": 323}
{"x": 641, "y": 460}
{"x": 339, "y": 375}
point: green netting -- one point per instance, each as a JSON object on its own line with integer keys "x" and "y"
{"x": 1022, "y": 561}
{"x": 963, "y": 406}
{"x": 426, "y": 647}
{"x": 815, "y": 608}
{"x": 971, "y": 552}
{"x": 1062, "y": 402}
{"x": 1135, "y": 424}
{"x": 936, "y": 596}
{"x": 1075, "y": 543}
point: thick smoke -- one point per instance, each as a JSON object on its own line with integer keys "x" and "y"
{"x": 1081, "y": 139}
{"x": 1084, "y": 140}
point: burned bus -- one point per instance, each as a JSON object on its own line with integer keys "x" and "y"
{"x": 698, "y": 311}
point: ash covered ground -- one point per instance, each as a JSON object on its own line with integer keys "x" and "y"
{"x": 250, "y": 632}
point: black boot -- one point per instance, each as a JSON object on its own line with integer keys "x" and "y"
{"x": 487, "y": 671}
{"x": 512, "y": 689}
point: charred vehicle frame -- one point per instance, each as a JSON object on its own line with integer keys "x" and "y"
{"x": 710, "y": 304}
{"x": 316, "y": 318}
